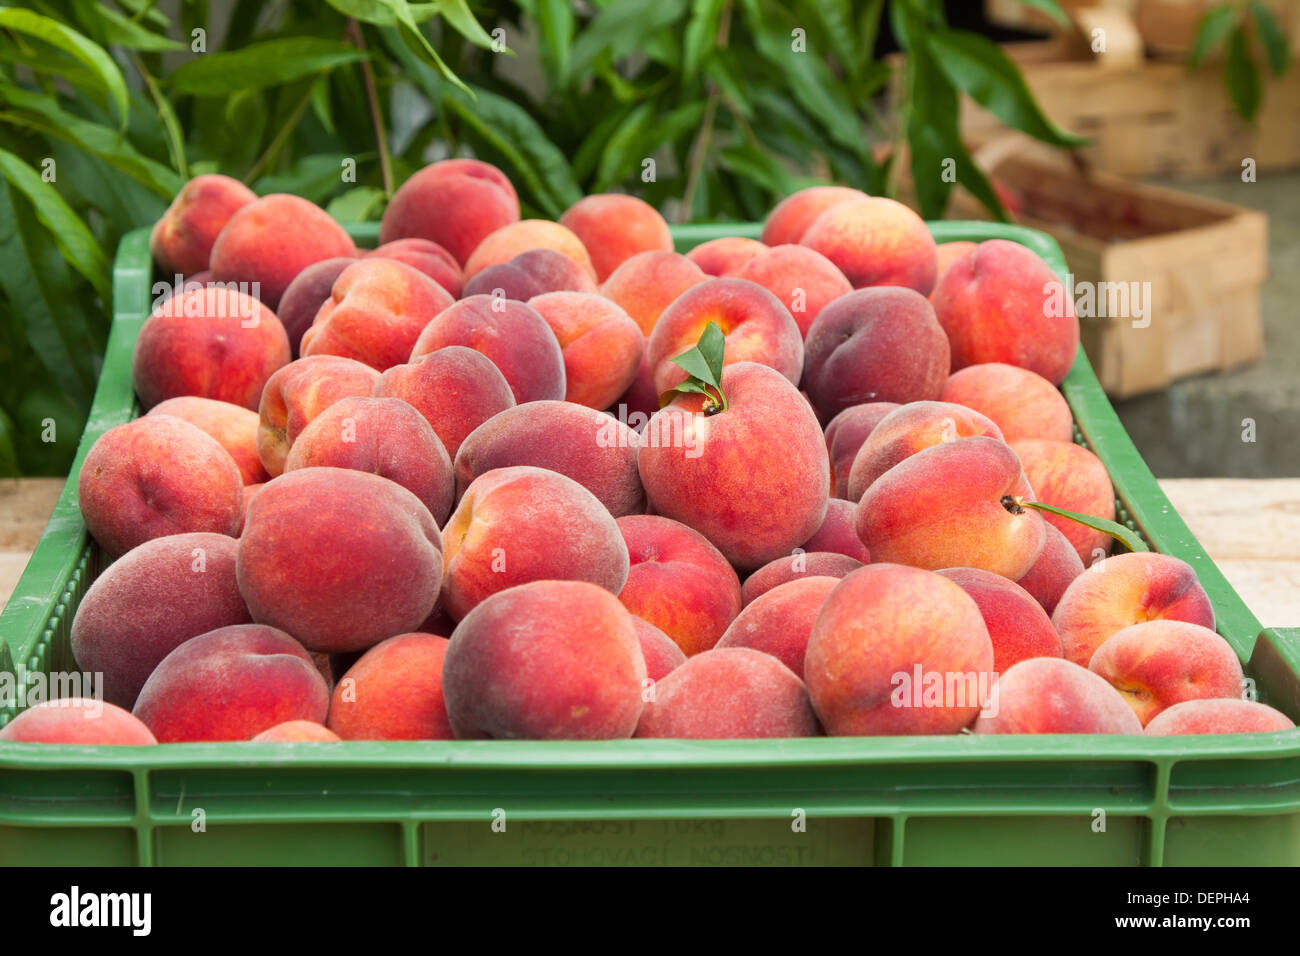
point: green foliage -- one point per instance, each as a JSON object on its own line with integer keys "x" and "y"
{"x": 708, "y": 109}
{"x": 1231, "y": 23}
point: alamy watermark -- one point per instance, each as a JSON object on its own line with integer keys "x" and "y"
{"x": 1100, "y": 300}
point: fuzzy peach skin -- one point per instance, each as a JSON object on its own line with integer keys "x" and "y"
{"x": 648, "y": 283}
{"x": 1048, "y": 695}
{"x": 756, "y": 326}
{"x": 780, "y": 621}
{"x": 907, "y": 430}
{"x": 156, "y": 476}
{"x": 601, "y": 345}
{"x": 550, "y": 660}
{"x": 804, "y": 280}
{"x": 517, "y": 340}
{"x": 249, "y": 492}
{"x": 1157, "y": 664}
{"x": 845, "y": 435}
{"x": 876, "y": 241}
{"x": 753, "y": 479}
{"x": 795, "y": 567}
{"x": 529, "y": 274}
{"x": 455, "y": 388}
{"x": 233, "y": 426}
{"x": 953, "y": 505}
{"x": 838, "y": 533}
{"x": 383, "y": 436}
{"x": 455, "y": 203}
{"x": 725, "y": 256}
{"x": 297, "y": 731}
{"x": 614, "y": 227}
{"x": 298, "y": 393}
{"x": 881, "y": 626}
{"x": 874, "y": 345}
{"x": 211, "y": 342}
{"x": 77, "y": 720}
{"x": 375, "y": 313}
{"x": 521, "y": 524}
{"x": 1127, "y": 589}
{"x": 595, "y": 450}
{"x": 661, "y": 653}
{"x": 1069, "y": 476}
{"x": 946, "y": 253}
{"x": 150, "y": 600}
{"x": 181, "y": 241}
{"x": 1018, "y": 625}
{"x": 1224, "y": 716}
{"x": 1022, "y": 403}
{"x": 791, "y": 217}
{"x": 309, "y": 290}
{"x": 340, "y": 559}
{"x": 427, "y": 256}
{"x": 678, "y": 581}
{"x": 509, "y": 241}
{"x": 1003, "y": 303}
{"x": 1053, "y": 572}
{"x": 232, "y": 684}
{"x": 729, "y": 693}
{"x": 271, "y": 240}
{"x": 393, "y": 692}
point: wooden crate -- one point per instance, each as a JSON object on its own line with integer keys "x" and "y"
{"x": 1204, "y": 260}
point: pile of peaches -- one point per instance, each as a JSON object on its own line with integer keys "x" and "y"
{"x": 513, "y": 478}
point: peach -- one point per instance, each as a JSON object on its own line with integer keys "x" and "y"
{"x": 838, "y": 533}
{"x": 795, "y": 567}
{"x": 725, "y": 256}
{"x": 1003, "y": 303}
{"x": 233, "y": 426}
{"x": 648, "y": 283}
{"x": 661, "y": 653}
{"x": 456, "y": 389}
{"x": 511, "y": 334}
{"x": 530, "y": 274}
{"x": 1069, "y": 476}
{"x": 340, "y": 559}
{"x": 157, "y": 476}
{"x": 376, "y": 312}
{"x": 756, "y": 326}
{"x": 383, "y": 436}
{"x": 1018, "y": 626}
{"x": 521, "y": 524}
{"x": 885, "y": 636}
{"x": 874, "y": 345}
{"x": 309, "y": 290}
{"x": 505, "y": 243}
{"x": 1054, "y": 570}
{"x": 845, "y": 435}
{"x": 249, "y": 492}
{"x": 211, "y": 342}
{"x": 298, "y": 393}
{"x": 1021, "y": 402}
{"x": 615, "y": 227}
{"x": 595, "y": 450}
{"x": 1127, "y": 589}
{"x": 550, "y": 660}
{"x": 753, "y": 479}
{"x": 149, "y": 601}
{"x": 678, "y": 581}
{"x": 77, "y": 720}
{"x": 1223, "y": 716}
{"x": 427, "y": 256}
{"x": 907, "y": 430}
{"x": 946, "y": 253}
{"x": 876, "y": 241}
{"x": 270, "y": 240}
{"x": 231, "y": 684}
{"x": 601, "y": 345}
{"x": 792, "y": 216}
{"x": 954, "y": 505}
{"x": 729, "y": 693}
{"x": 297, "y": 731}
{"x": 455, "y": 203}
{"x": 1157, "y": 664}
{"x": 1048, "y": 695}
{"x": 805, "y": 281}
{"x": 779, "y": 621}
{"x": 393, "y": 692}
{"x": 181, "y": 241}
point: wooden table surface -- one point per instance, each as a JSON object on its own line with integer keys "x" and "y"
{"x": 1250, "y": 527}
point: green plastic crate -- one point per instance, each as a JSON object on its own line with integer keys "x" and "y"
{"x": 1077, "y": 800}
